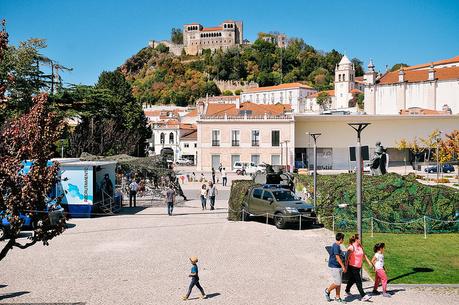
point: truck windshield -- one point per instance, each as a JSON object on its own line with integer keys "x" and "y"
{"x": 285, "y": 195}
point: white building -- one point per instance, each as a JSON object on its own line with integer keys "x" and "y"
{"x": 433, "y": 86}
{"x": 294, "y": 94}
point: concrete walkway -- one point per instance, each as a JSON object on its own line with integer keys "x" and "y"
{"x": 143, "y": 259}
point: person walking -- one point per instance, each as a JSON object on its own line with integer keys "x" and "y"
{"x": 380, "y": 270}
{"x": 220, "y": 167}
{"x": 355, "y": 256}
{"x": 133, "y": 187}
{"x": 194, "y": 279}
{"x": 337, "y": 267}
{"x": 170, "y": 200}
{"x": 204, "y": 192}
{"x": 213, "y": 175}
{"x": 224, "y": 177}
{"x": 212, "y": 192}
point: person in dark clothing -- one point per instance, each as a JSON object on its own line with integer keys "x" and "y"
{"x": 170, "y": 200}
{"x": 133, "y": 187}
{"x": 213, "y": 175}
{"x": 194, "y": 279}
{"x": 212, "y": 192}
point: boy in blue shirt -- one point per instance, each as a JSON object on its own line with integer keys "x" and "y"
{"x": 337, "y": 267}
{"x": 194, "y": 279}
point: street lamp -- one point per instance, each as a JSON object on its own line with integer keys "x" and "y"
{"x": 286, "y": 154}
{"x": 438, "y": 161}
{"x": 359, "y": 127}
{"x": 315, "y": 136}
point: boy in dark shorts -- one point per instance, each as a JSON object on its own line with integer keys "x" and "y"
{"x": 194, "y": 279}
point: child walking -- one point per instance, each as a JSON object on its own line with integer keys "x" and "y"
{"x": 194, "y": 279}
{"x": 378, "y": 262}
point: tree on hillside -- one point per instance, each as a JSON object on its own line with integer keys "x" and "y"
{"x": 30, "y": 137}
{"x": 323, "y": 100}
{"x": 358, "y": 66}
{"x": 397, "y": 67}
{"x": 449, "y": 149}
{"x": 177, "y": 36}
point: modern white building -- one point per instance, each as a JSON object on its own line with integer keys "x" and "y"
{"x": 433, "y": 86}
{"x": 293, "y": 94}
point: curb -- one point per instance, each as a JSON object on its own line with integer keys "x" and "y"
{"x": 424, "y": 285}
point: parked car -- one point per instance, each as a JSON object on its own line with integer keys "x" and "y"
{"x": 243, "y": 168}
{"x": 445, "y": 168}
{"x": 281, "y": 205}
{"x": 183, "y": 161}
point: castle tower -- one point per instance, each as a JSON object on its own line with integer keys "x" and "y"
{"x": 344, "y": 82}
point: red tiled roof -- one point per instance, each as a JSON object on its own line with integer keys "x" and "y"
{"x": 187, "y": 126}
{"x": 152, "y": 112}
{"x": 435, "y": 63}
{"x": 329, "y": 92}
{"x": 279, "y": 87}
{"x": 215, "y": 28}
{"x": 356, "y": 91}
{"x": 255, "y": 109}
{"x": 192, "y": 113}
{"x": 414, "y": 76}
{"x": 190, "y": 136}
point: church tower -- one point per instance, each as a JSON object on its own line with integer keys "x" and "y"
{"x": 344, "y": 82}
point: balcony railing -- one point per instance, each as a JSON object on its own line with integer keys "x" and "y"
{"x": 255, "y": 143}
{"x": 215, "y": 142}
{"x": 235, "y": 143}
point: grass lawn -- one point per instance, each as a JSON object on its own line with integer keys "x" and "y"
{"x": 411, "y": 259}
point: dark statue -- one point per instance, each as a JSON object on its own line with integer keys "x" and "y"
{"x": 379, "y": 161}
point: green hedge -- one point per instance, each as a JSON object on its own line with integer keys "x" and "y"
{"x": 391, "y": 198}
{"x": 238, "y": 191}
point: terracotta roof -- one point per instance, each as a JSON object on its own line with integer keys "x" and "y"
{"x": 187, "y": 126}
{"x": 316, "y": 94}
{"x": 435, "y": 63}
{"x": 192, "y": 113}
{"x": 215, "y": 28}
{"x": 356, "y": 91}
{"x": 190, "y": 136}
{"x": 279, "y": 87}
{"x": 421, "y": 111}
{"x": 358, "y": 78}
{"x": 152, "y": 112}
{"x": 414, "y": 76}
{"x": 254, "y": 109}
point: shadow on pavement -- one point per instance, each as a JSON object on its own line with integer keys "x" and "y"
{"x": 290, "y": 226}
{"x": 3, "y": 285}
{"x": 13, "y": 295}
{"x": 131, "y": 211}
{"x": 212, "y": 295}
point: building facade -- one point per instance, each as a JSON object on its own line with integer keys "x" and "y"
{"x": 248, "y": 132}
{"x": 293, "y": 94}
{"x": 197, "y": 38}
{"x": 433, "y": 86}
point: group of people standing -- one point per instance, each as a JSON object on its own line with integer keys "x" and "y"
{"x": 350, "y": 265}
{"x": 208, "y": 193}
{"x": 223, "y": 174}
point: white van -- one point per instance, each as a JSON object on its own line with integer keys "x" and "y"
{"x": 242, "y": 168}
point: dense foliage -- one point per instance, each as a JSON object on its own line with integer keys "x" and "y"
{"x": 391, "y": 198}
{"x": 158, "y": 76}
{"x": 238, "y": 192}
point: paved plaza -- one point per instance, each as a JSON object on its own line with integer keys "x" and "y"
{"x": 143, "y": 259}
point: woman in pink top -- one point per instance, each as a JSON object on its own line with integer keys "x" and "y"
{"x": 355, "y": 256}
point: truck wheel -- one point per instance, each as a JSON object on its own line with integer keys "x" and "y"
{"x": 279, "y": 221}
{"x": 2, "y": 232}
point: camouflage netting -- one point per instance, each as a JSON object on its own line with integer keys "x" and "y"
{"x": 393, "y": 199}
{"x": 238, "y": 190}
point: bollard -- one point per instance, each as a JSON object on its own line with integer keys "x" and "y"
{"x": 425, "y": 228}
{"x": 372, "y": 227}
{"x": 267, "y": 218}
{"x": 243, "y": 215}
{"x": 300, "y": 223}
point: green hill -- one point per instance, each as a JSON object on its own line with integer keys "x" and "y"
{"x": 159, "y": 77}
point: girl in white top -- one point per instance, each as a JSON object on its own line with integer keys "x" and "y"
{"x": 378, "y": 263}
{"x": 204, "y": 192}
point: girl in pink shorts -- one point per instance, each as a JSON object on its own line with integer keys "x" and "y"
{"x": 378, "y": 263}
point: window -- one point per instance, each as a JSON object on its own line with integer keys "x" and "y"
{"x": 290, "y": 95}
{"x": 186, "y": 145}
{"x": 339, "y": 77}
{"x": 282, "y": 97}
{"x": 264, "y": 98}
{"x": 275, "y": 138}
{"x": 195, "y": 145}
{"x": 275, "y": 159}
{"x": 255, "y": 138}
{"x": 267, "y": 195}
{"x": 161, "y": 138}
{"x": 235, "y": 135}
{"x": 255, "y": 159}
{"x": 258, "y": 98}
{"x": 171, "y": 138}
{"x": 257, "y": 193}
{"x": 215, "y": 137}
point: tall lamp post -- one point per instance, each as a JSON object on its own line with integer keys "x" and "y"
{"x": 286, "y": 154}
{"x": 315, "y": 136}
{"x": 438, "y": 148}
{"x": 359, "y": 127}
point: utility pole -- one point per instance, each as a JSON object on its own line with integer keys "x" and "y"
{"x": 286, "y": 154}
{"x": 359, "y": 127}
{"x": 315, "y": 136}
{"x": 438, "y": 149}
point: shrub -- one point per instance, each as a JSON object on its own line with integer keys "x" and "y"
{"x": 238, "y": 191}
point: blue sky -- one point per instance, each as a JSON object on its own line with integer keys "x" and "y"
{"x": 98, "y": 35}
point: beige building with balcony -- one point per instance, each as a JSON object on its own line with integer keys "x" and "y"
{"x": 246, "y": 132}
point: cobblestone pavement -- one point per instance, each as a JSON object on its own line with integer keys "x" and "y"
{"x": 143, "y": 259}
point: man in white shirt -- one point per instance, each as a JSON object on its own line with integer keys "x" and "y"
{"x": 224, "y": 177}
{"x": 133, "y": 187}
